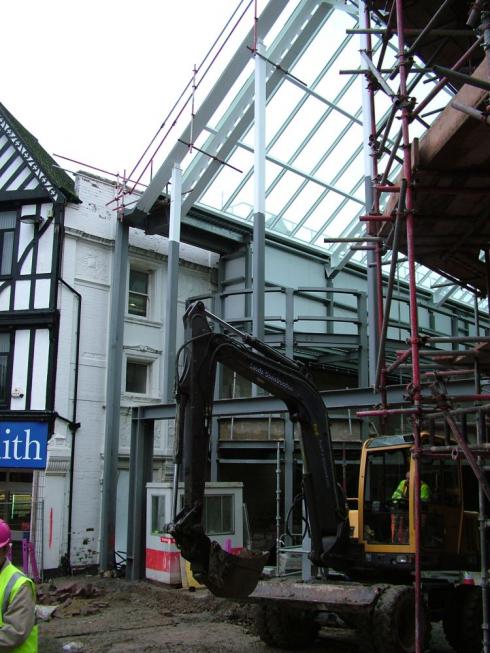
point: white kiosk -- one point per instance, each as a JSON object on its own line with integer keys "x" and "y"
{"x": 223, "y": 519}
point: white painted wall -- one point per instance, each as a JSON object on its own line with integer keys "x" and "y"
{"x": 87, "y": 267}
{"x": 40, "y": 369}
{"x": 19, "y": 372}
{"x": 54, "y": 513}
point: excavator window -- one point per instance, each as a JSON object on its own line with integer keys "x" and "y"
{"x": 385, "y": 469}
{"x": 386, "y": 498}
{"x": 442, "y": 476}
{"x": 440, "y": 515}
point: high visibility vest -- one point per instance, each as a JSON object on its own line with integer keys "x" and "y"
{"x": 424, "y": 491}
{"x": 11, "y": 580}
{"x": 401, "y": 491}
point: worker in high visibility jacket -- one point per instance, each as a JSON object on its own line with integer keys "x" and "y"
{"x": 399, "y": 498}
{"x": 401, "y": 492}
{"x": 18, "y": 630}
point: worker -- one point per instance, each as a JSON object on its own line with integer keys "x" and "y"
{"x": 18, "y": 632}
{"x": 399, "y": 500}
{"x": 401, "y": 492}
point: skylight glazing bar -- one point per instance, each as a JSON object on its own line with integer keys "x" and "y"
{"x": 300, "y": 30}
{"x": 322, "y": 160}
{"x": 308, "y": 177}
{"x": 236, "y": 64}
{"x": 306, "y": 89}
{"x": 335, "y": 213}
{"x": 286, "y": 123}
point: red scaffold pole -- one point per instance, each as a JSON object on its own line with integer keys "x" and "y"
{"x": 404, "y": 67}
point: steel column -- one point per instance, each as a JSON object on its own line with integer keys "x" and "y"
{"x": 258, "y": 299}
{"x": 140, "y": 473}
{"x": 369, "y": 175}
{"x": 363, "y": 373}
{"x": 113, "y": 396}
{"x": 288, "y": 425}
{"x": 172, "y": 285}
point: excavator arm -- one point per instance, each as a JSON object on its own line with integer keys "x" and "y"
{"x": 226, "y": 574}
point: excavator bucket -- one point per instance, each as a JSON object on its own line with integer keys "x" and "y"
{"x": 227, "y": 575}
{"x": 231, "y": 576}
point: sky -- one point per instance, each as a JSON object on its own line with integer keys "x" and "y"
{"x": 93, "y": 80}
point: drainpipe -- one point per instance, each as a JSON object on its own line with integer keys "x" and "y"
{"x": 73, "y": 425}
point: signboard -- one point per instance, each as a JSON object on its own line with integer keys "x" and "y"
{"x": 23, "y": 444}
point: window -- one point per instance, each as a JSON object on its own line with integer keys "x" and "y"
{"x": 385, "y": 470}
{"x": 5, "y": 342}
{"x": 218, "y": 514}
{"x": 442, "y": 477}
{"x": 137, "y": 376}
{"x": 138, "y": 298}
{"x": 157, "y": 514}
{"x": 7, "y": 231}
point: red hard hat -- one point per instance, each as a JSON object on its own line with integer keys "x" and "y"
{"x": 5, "y": 533}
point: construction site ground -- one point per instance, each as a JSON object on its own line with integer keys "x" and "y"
{"x": 112, "y": 615}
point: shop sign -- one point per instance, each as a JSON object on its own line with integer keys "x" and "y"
{"x": 23, "y": 444}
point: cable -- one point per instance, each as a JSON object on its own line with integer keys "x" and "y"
{"x": 189, "y": 83}
{"x": 298, "y": 499}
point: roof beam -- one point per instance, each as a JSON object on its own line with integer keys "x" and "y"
{"x": 300, "y": 173}
{"x": 234, "y": 68}
{"x": 303, "y": 25}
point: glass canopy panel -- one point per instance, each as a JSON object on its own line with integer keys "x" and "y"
{"x": 293, "y": 134}
{"x": 324, "y": 138}
{"x": 277, "y": 198}
{"x": 303, "y": 202}
{"x": 314, "y": 138}
{"x": 279, "y": 110}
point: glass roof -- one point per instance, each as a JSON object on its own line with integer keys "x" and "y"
{"x": 314, "y": 136}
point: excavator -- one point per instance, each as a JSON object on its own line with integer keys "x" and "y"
{"x": 365, "y": 553}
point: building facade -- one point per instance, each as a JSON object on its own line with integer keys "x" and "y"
{"x": 57, "y": 242}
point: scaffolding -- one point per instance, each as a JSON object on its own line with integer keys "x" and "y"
{"x": 434, "y": 209}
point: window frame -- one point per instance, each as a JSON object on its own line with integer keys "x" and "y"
{"x": 137, "y": 355}
{"x": 148, "y": 306}
{"x": 221, "y": 497}
{"x": 5, "y": 401}
{"x": 13, "y": 231}
{"x": 142, "y": 362}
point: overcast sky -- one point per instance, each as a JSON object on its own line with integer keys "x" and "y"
{"x": 93, "y": 80}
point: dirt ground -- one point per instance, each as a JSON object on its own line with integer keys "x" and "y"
{"x": 111, "y": 615}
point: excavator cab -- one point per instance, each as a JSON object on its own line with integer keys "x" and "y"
{"x": 386, "y": 509}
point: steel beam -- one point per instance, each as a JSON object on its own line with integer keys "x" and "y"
{"x": 333, "y": 399}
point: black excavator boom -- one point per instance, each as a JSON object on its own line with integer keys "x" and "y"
{"x": 225, "y": 574}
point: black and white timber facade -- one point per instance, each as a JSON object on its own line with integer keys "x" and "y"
{"x": 33, "y": 196}
{"x": 32, "y": 204}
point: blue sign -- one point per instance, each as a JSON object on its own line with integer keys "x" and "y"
{"x": 23, "y": 444}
